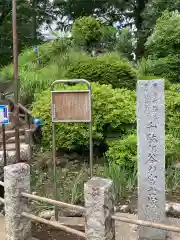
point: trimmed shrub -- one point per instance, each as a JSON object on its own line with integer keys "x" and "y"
{"x": 168, "y": 67}
{"x": 112, "y": 109}
{"x": 120, "y": 74}
{"x": 124, "y": 151}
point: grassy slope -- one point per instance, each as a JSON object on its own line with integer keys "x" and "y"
{"x": 54, "y": 58}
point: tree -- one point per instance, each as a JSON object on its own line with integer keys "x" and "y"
{"x": 110, "y": 11}
{"x": 164, "y": 47}
{"x": 165, "y": 39}
{"x": 109, "y": 37}
{"x": 30, "y": 16}
{"x": 124, "y": 43}
{"x": 86, "y": 32}
{"x": 154, "y": 10}
{"x": 93, "y": 35}
{"x": 24, "y": 23}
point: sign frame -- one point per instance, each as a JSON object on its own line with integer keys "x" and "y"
{"x": 7, "y": 109}
{"x": 87, "y": 92}
{"x": 89, "y": 121}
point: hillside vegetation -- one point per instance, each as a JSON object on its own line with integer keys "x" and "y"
{"x": 113, "y": 76}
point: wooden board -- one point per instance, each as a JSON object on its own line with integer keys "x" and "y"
{"x": 71, "y": 106}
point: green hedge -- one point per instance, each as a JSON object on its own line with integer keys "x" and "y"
{"x": 124, "y": 151}
{"x": 112, "y": 109}
{"x": 120, "y": 74}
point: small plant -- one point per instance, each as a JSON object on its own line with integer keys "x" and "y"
{"x": 70, "y": 184}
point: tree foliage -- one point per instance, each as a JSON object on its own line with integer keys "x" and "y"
{"x": 30, "y": 16}
{"x": 165, "y": 38}
{"x": 142, "y": 14}
{"x": 89, "y": 34}
{"x": 86, "y": 32}
{"x": 124, "y": 43}
{"x": 111, "y": 11}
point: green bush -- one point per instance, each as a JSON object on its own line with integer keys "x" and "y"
{"x": 111, "y": 109}
{"x": 164, "y": 39}
{"x": 120, "y": 74}
{"x": 167, "y": 67}
{"x": 124, "y": 151}
{"x": 173, "y": 110}
{"x": 113, "y": 116}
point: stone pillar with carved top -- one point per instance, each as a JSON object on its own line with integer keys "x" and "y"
{"x": 16, "y": 181}
{"x": 151, "y": 156}
{"x": 99, "y": 204}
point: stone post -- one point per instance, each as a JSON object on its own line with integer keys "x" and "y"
{"x": 16, "y": 180}
{"x": 151, "y": 156}
{"x": 99, "y": 204}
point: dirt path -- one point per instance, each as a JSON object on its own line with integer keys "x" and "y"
{"x": 44, "y": 232}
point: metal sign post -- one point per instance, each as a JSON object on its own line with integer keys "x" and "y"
{"x": 16, "y": 80}
{"x": 71, "y": 106}
{"x": 4, "y": 119}
{"x": 6, "y": 88}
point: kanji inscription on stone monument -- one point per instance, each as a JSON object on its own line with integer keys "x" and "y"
{"x": 151, "y": 156}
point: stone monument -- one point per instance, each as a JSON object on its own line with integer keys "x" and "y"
{"x": 151, "y": 156}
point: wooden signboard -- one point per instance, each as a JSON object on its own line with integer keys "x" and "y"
{"x": 72, "y": 106}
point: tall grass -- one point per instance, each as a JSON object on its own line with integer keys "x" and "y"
{"x": 172, "y": 179}
{"x": 54, "y": 60}
{"x": 71, "y": 181}
{"x": 145, "y": 67}
{"x": 124, "y": 181}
